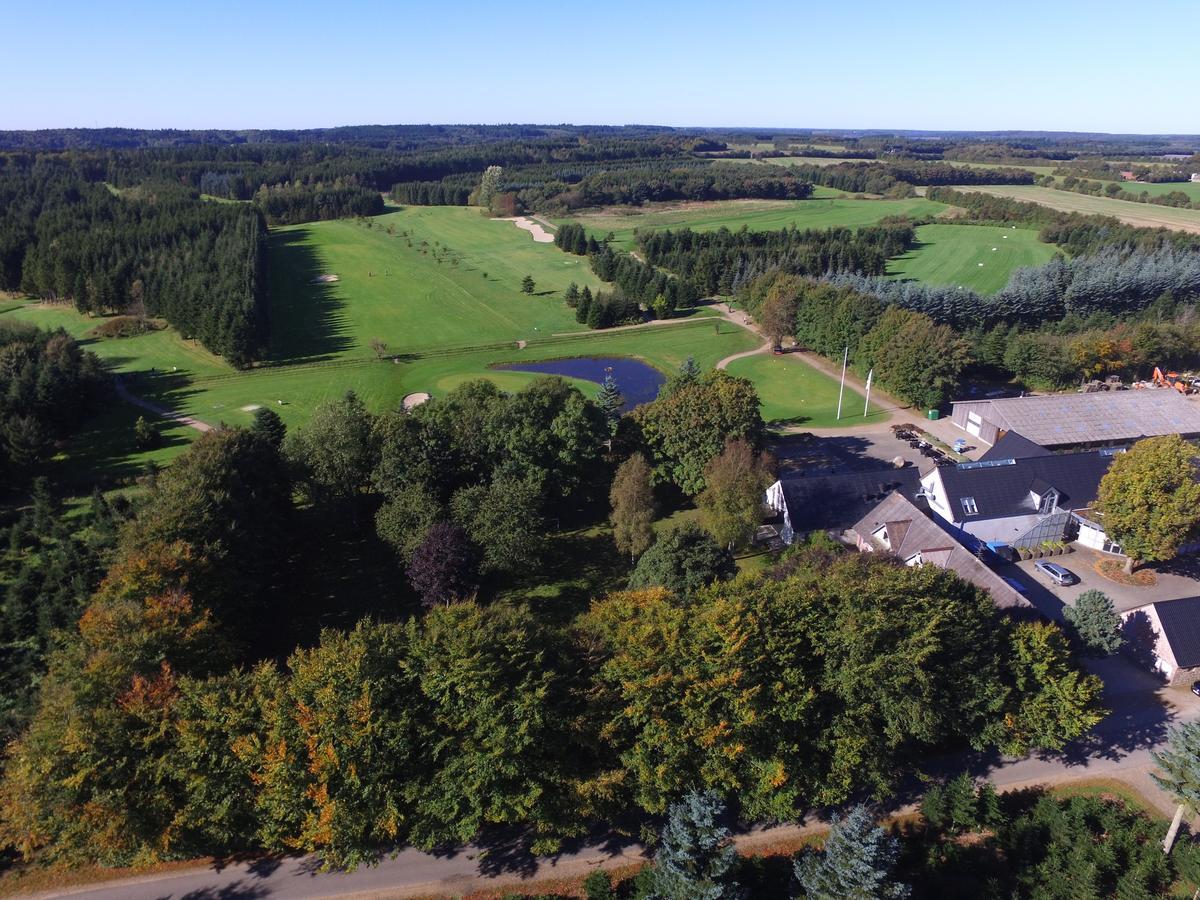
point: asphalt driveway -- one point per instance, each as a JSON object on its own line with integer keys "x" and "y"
{"x": 1174, "y": 582}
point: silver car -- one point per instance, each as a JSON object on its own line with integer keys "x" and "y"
{"x": 1056, "y": 573}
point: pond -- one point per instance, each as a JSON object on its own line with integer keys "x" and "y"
{"x": 638, "y": 381}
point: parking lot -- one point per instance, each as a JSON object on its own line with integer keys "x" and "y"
{"x": 1180, "y": 581}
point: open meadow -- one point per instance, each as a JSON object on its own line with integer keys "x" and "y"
{"x": 757, "y": 215}
{"x": 1141, "y": 215}
{"x": 977, "y": 257}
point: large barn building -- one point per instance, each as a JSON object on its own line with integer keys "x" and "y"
{"x": 1100, "y": 419}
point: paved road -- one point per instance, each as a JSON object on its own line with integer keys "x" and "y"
{"x": 1119, "y": 748}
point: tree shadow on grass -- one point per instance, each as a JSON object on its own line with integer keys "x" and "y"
{"x": 308, "y": 318}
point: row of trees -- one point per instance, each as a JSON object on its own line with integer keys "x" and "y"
{"x": 146, "y": 745}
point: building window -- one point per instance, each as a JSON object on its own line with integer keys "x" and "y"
{"x": 974, "y": 418}
{"x": 969, "y": 507}
{"x": 1049, "y": 501}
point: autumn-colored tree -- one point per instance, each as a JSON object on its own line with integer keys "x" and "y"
{"x": 633, "y": 508}
{"x": 1150, "y": 499}
{"x": 690, "y": 423}
{"x": 731, "y": 504}
{"x": 778, "y": 314}
{"x": 86, "y": 782}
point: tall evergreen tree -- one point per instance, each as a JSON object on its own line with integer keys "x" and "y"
{"x": 611, "y": 400}
{"x": 696, "y": 860}
{"x": 856, "y": 863}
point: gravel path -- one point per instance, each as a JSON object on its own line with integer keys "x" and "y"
{"x": 160, "y": 411}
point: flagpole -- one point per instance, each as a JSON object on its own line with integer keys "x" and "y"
{"x": 867, "y": 405}
{"x": 842, "y": 388}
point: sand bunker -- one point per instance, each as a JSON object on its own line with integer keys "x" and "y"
{"x": 325, "y": 279}
{"x": 534, "y": 228}
{"x": 412, "y": 401}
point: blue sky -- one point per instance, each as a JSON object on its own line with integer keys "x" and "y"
{"x": 1094, "y": 66}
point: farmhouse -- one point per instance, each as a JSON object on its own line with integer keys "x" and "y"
{"x": 802, "y": 505}
{"x": 1099, "y": 419}
{"x": 1017, "y": 501}
{"x": 899, "y": 527}
{"x": 1165, "y": 637}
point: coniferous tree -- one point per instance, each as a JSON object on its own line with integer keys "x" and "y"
{"x": 1094, "y": 623}
{"x": 572, "y": 295}
{"x": 611, "y": 400}
{"x": 856, "y": 863}
{"x": 527, "y": 284}
{"x": 696, "y": 859}
{"x": 1179, "y": 765}
{"x": 269, "y": 426}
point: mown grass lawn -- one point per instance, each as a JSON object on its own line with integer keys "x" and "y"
{"x": 794, "y": 393}
{"x": 977, "y": 257}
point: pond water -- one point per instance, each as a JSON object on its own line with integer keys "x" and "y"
{"x": 638, "y": 381}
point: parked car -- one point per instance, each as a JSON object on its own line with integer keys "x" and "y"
{"x": 1196, "y": 688}
{"x": 1060, "y": 575}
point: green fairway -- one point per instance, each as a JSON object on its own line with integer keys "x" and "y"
{"x": 458, "y": 284}
{"x": 978, "y": 257}
{"x": 795, "y": 393}
{"x": 757, "y": 215}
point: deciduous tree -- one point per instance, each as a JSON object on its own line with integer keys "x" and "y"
{"x": 445, "y": 566}
{"x": 1150, "y": 498}
{"x": 731, "y": 503}
{"x": 633, "y": 508}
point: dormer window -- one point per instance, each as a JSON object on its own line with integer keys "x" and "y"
{"x": 881, "y": 535}
{"x": 969, "y": 507}
{"x": 1047, "y": 502}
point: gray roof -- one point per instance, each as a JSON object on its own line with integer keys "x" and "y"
{"x": 1180, "y": 620}
{"x": 911, "y": 530}
{"x": 1001, "y": 488}
{"x": 1057, "y": 420}
{"x": 835, "y": 502}
{"x": 1012, "y": 445}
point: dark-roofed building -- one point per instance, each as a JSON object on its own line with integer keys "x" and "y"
{"x": 1099, "y": 419}
{"x": 1012, "y": 445}
{"x": 899, "y": 527}
{"x": 834, "y": 502}
{"x": 1166, "y": 637}
{"x": 1019, "y": 502}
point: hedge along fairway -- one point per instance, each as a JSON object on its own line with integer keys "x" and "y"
{"x": 757, "y": 215}
{"x": 795, "y": 393}
{"x": 964, "y": 255}
{"x": 431, "y": 294}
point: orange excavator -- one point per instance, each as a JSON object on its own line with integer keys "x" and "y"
{"x": 1172, "y": 380}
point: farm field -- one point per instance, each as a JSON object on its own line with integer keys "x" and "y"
{"x": 978, "y": 257}
{"x": 757, "y": 215}
{"x": 1161, "y": 189}
{"x": 1143, "y": 215}
{"x": 795, "y": 393}
{"x": 1037, "y": 170}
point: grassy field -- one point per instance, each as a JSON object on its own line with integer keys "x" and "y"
{"x": 417, "y": 279}
{"x": 1143, "y": 215}
{"x": 978, "y": 257}
{"x": 794, "y": 393}
{"x": 442, "y": 321}
{"x": 757, "y": 215}
{"x": 1192, "y": 189}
